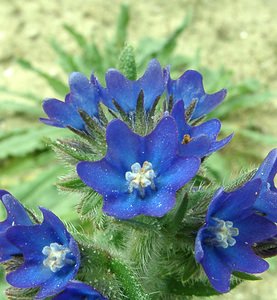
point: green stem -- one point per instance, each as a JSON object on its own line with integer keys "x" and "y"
{"x": 129, "y": 283}
{"x": 179, "y": 214}
{"x": 132, "y": 287}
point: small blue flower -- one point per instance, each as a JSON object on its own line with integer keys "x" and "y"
{"x": 139, "y": 175}
{"x": 267, "y": 200}
{"x": 197, "y": 140}
{"x": 83, "y": 96}
{"x": 224, "y": 243}
{"x": 76, "y": 290}
{"x": 16, "y": 215}
{"x": 126, "y": 92}
{"x": 51, "y": 256}
{"x": 189, "y": 87}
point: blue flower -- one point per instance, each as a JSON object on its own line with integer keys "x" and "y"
{"x": 76, "y": 290}
{"x": 16, "y": 215}
{"x": 83, "y": 96}
{"x": 139, "y": 175}
{"x": 126, "y": 92}
{"x": 224, "y": 243}
{"x": 267, "y": 200}
{"x": 197, "y": 140}
{"x": 51, "y": 256}
{"x": 189, "y": 87}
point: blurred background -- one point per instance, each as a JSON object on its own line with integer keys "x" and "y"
{"x": 232, "y": 43}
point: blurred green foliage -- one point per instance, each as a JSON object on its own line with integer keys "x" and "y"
{"x": 24, "y": 153}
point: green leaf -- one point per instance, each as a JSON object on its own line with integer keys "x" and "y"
{"x": 122, "y": 25}
{"x": 66, "y": 59}
{"x": 12, "y": 107}
{"x": 23, "y": 141}
{"x": 240, "y": 102}
{"x": 78, "y": 37}
{"x": 54, "y": 82}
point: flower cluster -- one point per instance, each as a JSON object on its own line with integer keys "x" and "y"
{"x": 145, "y": 160}
{"x": 141, "y": 174}
{"x": 50, "y": 255}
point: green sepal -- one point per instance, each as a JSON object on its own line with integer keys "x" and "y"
{"x": 90, "y": 208}
{"x": 127, "y": 62}
{"x": 93, "y": 127}
{"x": 20, "y": 294}
{"x": 240, "y": 181}
{"x": 140, "y": 118}
{"x": 74, "y": 184}
{"x": 122, "y": 113}
{"x": 72, "y": 151}
{"x": 189, "y": 111}
{"x": 246, "y": 276}
{"x": 196, "y": 288}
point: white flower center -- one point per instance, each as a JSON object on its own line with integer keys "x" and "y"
{"x": 224, "y": 233}
{"x": 56, "y": 256}
{"x": 140, "y": 177}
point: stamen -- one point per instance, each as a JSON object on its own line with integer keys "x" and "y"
{"x": 186, "y": 139}
{"x": 140, "y": 177}
{"x": 223, "y": 233}
{"x": 56, "y": 256}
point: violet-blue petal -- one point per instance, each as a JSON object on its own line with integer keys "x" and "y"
{"x": 210, "y": 128}
{"x": 178, "y": 113}
{"x": 61, "y": 114}
{"x": 189, "y": 87}
{"x": 102, "y": 177}
{"x": 199, "y": 146}
{"x": 267, "y": 200}
{"x": 217, "y": 270}
{"x": 76, "y": 290}
{"x": 201, "y": 139}
{"x": 255, "y": 229}
{"x": 31, "y": 240}
{"x": 181, "y": 171}
{"x": 16, "y": 215}
{"x": 83, "y": 94}
{"x": 152, "y": 83}
{"x": 29, "y": 275}
{"x": 225, "y": 206}
{"x": 268, "y": 169}
{"x": 124, "y": 91}
{"x": 54, "y": 285}
{"x": 123, "y": 145}
{"x": 242, "y": 258}
{"x": 208, "y": 103}
{"x": 267, "y": 204}
{"x": 161, "y": 145}
{"x": 217, "y": 145}
{"x": 126, "y": 206}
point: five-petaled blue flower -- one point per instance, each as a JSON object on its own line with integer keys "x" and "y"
{"x": 76, "y": 290}
{"x": 16, "y": 215}
{"x": 189, "y": 87}
{"x": 267, "y": 200}
{"x": 139, "y": 175}
{"x": 83, "y": 96}
{"x": 126, "y": 92}
{"x": 223, "y": 244}
{"x": 51, "y": 256}
{"x": 197, "y": 140}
